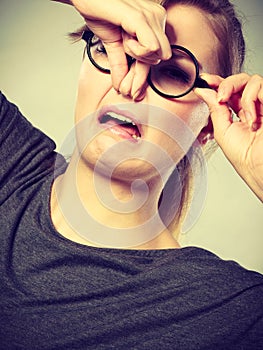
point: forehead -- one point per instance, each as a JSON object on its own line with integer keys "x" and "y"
{"x": 188, "y": 26}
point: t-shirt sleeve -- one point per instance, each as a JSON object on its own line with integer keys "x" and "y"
{"x": 25, "y": 152}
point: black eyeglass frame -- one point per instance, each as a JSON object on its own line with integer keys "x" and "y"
{"x": 198, "y": 82}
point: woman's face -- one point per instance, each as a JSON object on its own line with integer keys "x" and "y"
{"x": 186, "y": 26}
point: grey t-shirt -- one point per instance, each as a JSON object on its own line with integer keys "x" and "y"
{"x": 57, "y": 294}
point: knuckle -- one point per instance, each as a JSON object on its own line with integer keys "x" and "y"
{"x": 256, "y": 77}
{"x": 260, "y": 95}
{"x": 153, "y": 48}
{"x": 215, "y": 109}
{"x": 156, "y": 9}
{"x": 236, "y": 77}
{"x": 245, "y": 100}
{"x": 140, "y": 16}
{"x": 149, "y": 51}
{"x": 243, "y": 76}
{"x": 160, "y": 10}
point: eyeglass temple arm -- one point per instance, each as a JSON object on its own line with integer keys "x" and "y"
{"x": 201, "y": 83}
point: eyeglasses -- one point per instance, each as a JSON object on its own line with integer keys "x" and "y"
{"x": 173, "y": 78}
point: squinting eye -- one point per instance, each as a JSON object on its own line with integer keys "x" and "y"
{"x": 176, "y": 73}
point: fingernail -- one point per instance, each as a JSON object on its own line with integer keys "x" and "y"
{"x": 220, "y": 95}
{"x": 124, "y": 92}
{"x": 248, "y": 117}
{"x": 139, "y": 94}
{"x": 136, "y": 94}
{"x": 157, "y": 61}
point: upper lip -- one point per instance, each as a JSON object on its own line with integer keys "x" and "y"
{"x": 125, "y": 113}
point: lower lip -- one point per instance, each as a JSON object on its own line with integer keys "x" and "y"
{"x": 118, "y": 130}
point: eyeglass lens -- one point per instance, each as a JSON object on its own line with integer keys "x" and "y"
{"x": 174, "y": 77}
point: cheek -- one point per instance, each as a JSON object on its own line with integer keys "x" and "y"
{"x": 191, "y": 110}
{"x": 198, "y": 118}
{"x": 179, "y": 125}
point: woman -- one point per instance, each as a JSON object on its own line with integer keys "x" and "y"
{"x": 69, "y": 287}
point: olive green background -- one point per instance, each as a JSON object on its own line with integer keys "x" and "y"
{"x": 39, "y": 72}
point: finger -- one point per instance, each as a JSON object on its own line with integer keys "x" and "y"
{"x": 252, "y": 98}
{"x": 230, "y": 92}
{"x": 139, "y": 83}
{"x": 134, "y": 84}
{"x": 126, "y": 84}
{"x": 244, "y": 95}
{"x": 212, "y": 80}
{"x": 118, "y": 62}
{"x": 156, "y": 46}
{"x": 166, "y": 51}
{"x": 149, "y": 33}
{"x": 134, "y": 49}
{"x": 219, "y": 112}
{"x": 145, "y": 52}
{"x": 158, "y": 26}
{"x": 233, "y": 84}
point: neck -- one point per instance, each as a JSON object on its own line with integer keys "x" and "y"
{"x": 91, "y": 209}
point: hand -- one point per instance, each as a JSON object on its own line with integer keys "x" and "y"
{"x": 128, "y": 27}
{"x": 241, "y": 141}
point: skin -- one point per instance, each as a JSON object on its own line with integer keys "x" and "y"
{"x": 241, "y": 142}
{"x": 183, "y": 27}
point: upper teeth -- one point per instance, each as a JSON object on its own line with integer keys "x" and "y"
{"x": 120, "y": 117}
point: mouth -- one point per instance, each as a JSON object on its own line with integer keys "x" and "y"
{"x": 119, "y": 124}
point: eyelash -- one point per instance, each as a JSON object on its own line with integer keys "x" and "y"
{"x": 99, "y": 47}
{"x": 180, "y": 74}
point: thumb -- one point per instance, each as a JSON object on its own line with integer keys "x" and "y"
{"x": 220, "y": 113}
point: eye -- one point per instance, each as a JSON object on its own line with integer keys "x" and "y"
{"x": 175, "y": 73}
{"x": 97, "y": 46}
{"x": 101, "y": 49}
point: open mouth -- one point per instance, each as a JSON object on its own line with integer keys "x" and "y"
{"x": 120, "y": 125}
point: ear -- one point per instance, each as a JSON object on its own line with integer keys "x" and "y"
{"x": 207, "y": 133}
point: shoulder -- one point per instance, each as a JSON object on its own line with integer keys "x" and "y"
{"x": 221, "y": 281}
{"x": 208, "y": 263}
{"x": 26, "y": 153}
